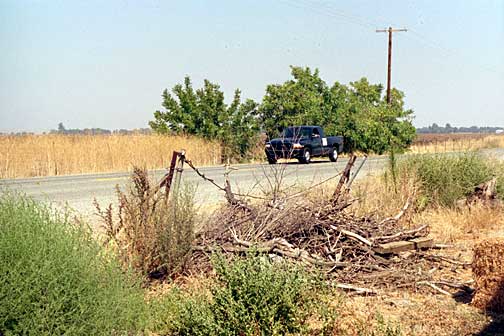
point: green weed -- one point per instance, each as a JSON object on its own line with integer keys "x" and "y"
{"x": 55, "y": 279}
{"x": 444, "y": 179}
{"x": 249, "y": 296}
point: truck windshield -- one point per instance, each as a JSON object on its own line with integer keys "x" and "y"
{"x": 296, "y": 132}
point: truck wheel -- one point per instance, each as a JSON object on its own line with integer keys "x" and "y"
{"x": 272, "y": 160}
{"x": 306, "y": 158}
{"x": 333, "y": 155}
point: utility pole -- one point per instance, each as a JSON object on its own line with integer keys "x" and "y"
{"x": 389, "y": 69}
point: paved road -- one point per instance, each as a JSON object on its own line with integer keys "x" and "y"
{"x": 78, "y": 191}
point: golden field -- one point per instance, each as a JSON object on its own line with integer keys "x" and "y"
{"x": 54, "y": 154}
{"x": 457, "y": 142}
{"x": 48, "y": 155}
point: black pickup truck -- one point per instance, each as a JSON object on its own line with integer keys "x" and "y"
{"x": 303, "y": 143}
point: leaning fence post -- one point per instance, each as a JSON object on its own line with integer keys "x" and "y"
{"x": 344, "y": 177}
{"x": 167, "y": 181}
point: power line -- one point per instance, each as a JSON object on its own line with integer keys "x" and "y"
{"x": 330, "y": 12}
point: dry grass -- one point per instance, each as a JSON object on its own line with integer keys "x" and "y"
{"x": 377, "y": 194}
{"x": 450, "y": 225}
{"x": 46, "y": 155}
{"x": 440, "y": 143}
{"x": 406, "y": 313}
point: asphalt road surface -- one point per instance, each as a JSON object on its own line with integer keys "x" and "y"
{"x": 79, "y": 191}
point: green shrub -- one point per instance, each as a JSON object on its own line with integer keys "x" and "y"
{"x": 183, "y": 313}
{"x": 249, "y": 296}
{"x": 55, "y": 279}
{"x": 254, "y": 296}
{"x": 446, "y": 178}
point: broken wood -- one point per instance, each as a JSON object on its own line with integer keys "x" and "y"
{"x": 344, "y": 178}
{"x": 394, "y": 247}
{"x": 422, "y": 243}
{"x": 402, "y": 234}
{"x": 399, "y": 214}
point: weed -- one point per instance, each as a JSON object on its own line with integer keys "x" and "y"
{"x": 455, "y": 142}
{"x": 248, "y": 296}
{"x": 55, "y": 279}
{"x": 445, "y": 179}
{"x": 254, "y": 296}
{"x": 151, "y": 232}
{"x": 452, "y": 224}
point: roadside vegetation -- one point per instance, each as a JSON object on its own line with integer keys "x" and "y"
{"x": 213, "y": 131}
{"x": 145, "y": 274}
{"x": 57, "y": 277}
{"x": 150, "y": 232}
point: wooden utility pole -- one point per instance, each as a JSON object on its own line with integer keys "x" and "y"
{"x": 389, "y": 69}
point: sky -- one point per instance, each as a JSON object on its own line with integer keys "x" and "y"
{"x": 105, "y": 63}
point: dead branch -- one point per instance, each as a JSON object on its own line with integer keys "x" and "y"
{"x": 349, "y": 184}
{"x": 433, "y": 286}
{"x": 448, "y": 260}
{"x": 402, "y": 234}
{"x": 344, "y": 178}
{"x": 355, "y": 235}
{"x": 399, "y": 214}
{"x": 358, "y": 290}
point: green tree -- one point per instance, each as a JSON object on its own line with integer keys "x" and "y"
{"x": 357, "y": 111}
{"x": 61, "y": 128}
{"x": 368, "y": 123}
{"x": 203, "y": 112}
{"x": 302, "y": 100}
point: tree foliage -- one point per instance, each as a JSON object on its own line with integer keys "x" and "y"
{"x": 203, "y": 112}
{"x": 357, "y": 111}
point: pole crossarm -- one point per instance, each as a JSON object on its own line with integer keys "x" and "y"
{"x": 392, "y": 30}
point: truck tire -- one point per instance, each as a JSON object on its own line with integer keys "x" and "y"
{"x": 306, "y": 158}
{"x": 272, "y": 160}
{"x": 333, "y": 155}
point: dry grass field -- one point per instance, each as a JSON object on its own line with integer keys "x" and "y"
{"x": 456, "y": 142}
{"x": 48, "y": 155}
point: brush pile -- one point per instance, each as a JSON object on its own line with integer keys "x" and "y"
{"x": 362, "y": 250}
{"x": 326, "y": 234}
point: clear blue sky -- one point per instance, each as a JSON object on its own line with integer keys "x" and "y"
{"x": 105, "y": 63}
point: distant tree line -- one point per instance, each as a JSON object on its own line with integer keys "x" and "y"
{"x": 357, "y": 111}
{"x": 435, "y": 128}
{"x": 97, "y": 131}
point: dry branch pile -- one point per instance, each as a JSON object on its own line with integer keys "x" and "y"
{"x": 361, "y": 250}
{"x": 352, "y": 249}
